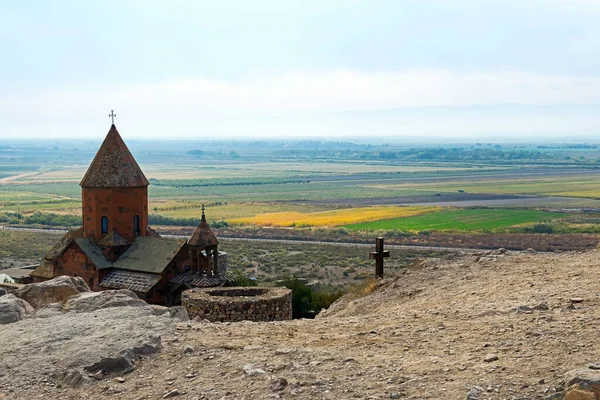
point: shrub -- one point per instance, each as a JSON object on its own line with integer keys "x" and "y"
{"x": 241, "y": 278}
{"x": 322, "y": 299}
{"x": 157, "y": 219}
{"x": 301, "y": 298}
{"x": 52, "y": 219}
{"x": 543, "y": 228}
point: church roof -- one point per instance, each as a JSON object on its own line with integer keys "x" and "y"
{"x": 45, "y": 270}
{"x": 136, "y": 281}
{"x": 203, "y": 236}
{"x": 114, "y": 166}
{"x": 149, "y": 254}
{"x": 93, "y": 253}
{"x": 113, "y": 239}
{"x": 63, "y": 243}
{"x": 202, "y": 281}
{"x": 146, "y": 254}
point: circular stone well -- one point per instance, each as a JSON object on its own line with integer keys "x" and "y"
{"x": 227, "y": 304}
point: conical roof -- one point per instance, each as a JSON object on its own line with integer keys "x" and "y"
{"x": 113, "y": 239}
{"x": 203, "y": 236}
{"x": 114, "y": 166}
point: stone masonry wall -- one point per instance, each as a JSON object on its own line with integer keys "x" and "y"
{"x": 229, "y": 304}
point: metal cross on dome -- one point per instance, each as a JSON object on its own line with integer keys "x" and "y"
{"x": 112, "y": 115}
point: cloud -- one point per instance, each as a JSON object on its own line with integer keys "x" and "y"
{"x": 197, "y": 102}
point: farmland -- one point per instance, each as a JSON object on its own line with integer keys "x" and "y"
{"x": 462, "y": 220}
{"x": 586, "y": 186}
{"x": 296, "y": 184}
{"x": 333, "y": 218}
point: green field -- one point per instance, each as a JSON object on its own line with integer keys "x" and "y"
{"x": 462, "y": 220}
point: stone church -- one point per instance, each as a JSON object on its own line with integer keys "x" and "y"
{"x": 117, "y": 249}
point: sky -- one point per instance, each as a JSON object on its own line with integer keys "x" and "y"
{"x": 279, "y": 68}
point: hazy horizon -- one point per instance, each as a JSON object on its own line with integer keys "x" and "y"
{"x": 271, "y": 69}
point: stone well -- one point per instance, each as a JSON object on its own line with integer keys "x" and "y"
{"x": 225, "y": 304}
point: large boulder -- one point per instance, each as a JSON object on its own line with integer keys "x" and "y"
{"x": 92, "y": 301}
{"x": 582, "y": 384}
{"x": 13, "y": 309}
{"x": 56, "y": 290}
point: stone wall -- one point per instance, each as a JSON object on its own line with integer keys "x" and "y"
{"x": 228, "y": 304}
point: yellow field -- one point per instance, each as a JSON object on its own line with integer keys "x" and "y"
{"x": 333, "y": 218}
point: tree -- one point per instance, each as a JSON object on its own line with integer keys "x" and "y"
{"x": 301, "y": 297}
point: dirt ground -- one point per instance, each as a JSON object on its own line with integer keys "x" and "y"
{"x": 424, "y": 335}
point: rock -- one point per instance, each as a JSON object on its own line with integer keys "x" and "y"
{"x": 49, "y": 310}
{"x": 580, "y": 392}
{"x": 171, "y": 393}
{"x": 556, "y": 396}
{"x": 55, "y": 290}
{"x": 188, "y": 350}
{"x": 119, "y": 379}
{"x": 542, "y": 307}
{"x": 284, "y": 350}
{"x": 98, "y": 375}
{"x": 159, "y": 310}
{"x": 490, "y": 358}
{"x": 475, "y": 393}
{"x": 121, "y": 363}
{"x": 582, "y": 380}
{"x": 523, "y": 310}
{"x": 2, "y": 292}
{"x": 595, "y": 366}
{"x": 576, "y": 300}
{"x": 124, "y": 361}
{"x": 178, "y": 313}
{"x": 498, "y": 252}
{"x": 73, "y": 377}
{"x": 151, "y": 346}
{"x": 251, "y": 370}
{"x": 13, "y": 309}
{"x": 92, "y": 301}
{"x": 278, "y": 384}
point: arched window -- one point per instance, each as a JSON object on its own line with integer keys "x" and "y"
{"x": 104, "y": 224}
{"x": 136, "y": 225}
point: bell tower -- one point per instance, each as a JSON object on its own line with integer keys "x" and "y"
{"x": 204, "y": 240}
{"x": 114, "y": 193}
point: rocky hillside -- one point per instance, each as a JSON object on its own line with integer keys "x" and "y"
{"x": 493, "y": 326}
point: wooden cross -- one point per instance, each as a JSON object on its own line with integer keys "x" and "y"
{"x": 112, "y": 115}
{"x": 379, "y": 254}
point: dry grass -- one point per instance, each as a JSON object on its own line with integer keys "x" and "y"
{"x": 362, "y": 289}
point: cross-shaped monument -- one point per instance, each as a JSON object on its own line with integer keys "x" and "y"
{"x": 112, "y": 115}
{"x": 379, "y": 254}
